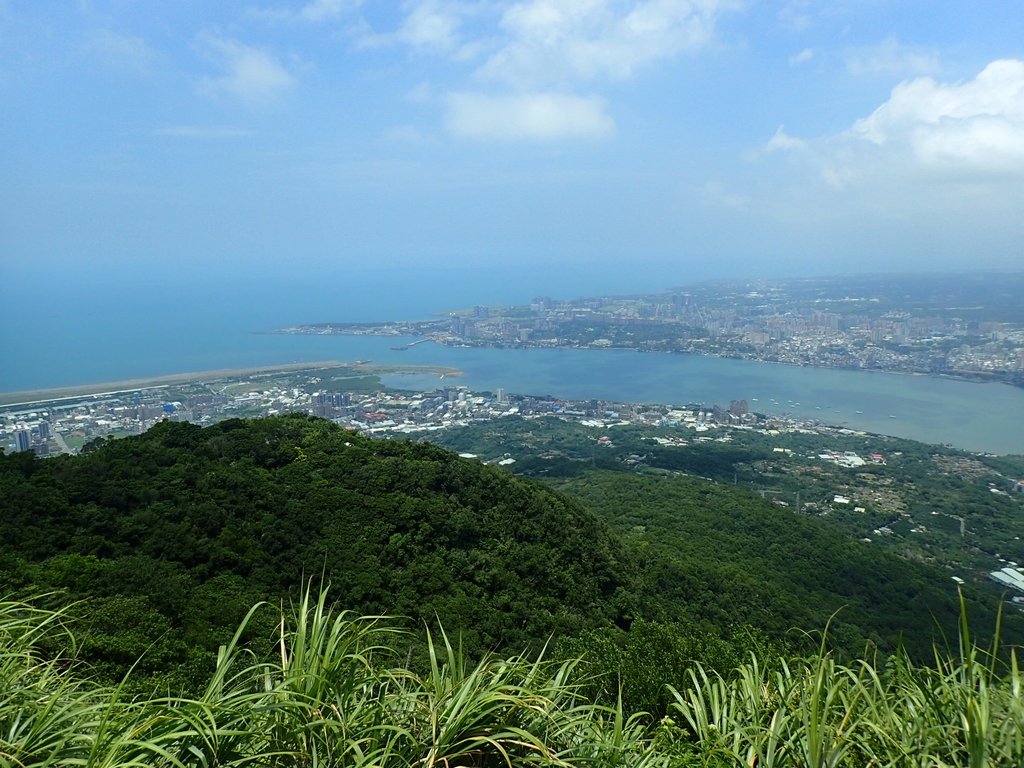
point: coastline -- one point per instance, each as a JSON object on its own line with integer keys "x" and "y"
{"x": 394, "y": 368}
{"x": 971, "y": 376}
{"x": 34, "y": 396}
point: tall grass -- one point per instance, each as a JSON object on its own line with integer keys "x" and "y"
{"x": 966, "y": 710}
{"x": 335, "y": 694}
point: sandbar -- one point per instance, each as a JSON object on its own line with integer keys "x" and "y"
{"x": 33, "y": 396}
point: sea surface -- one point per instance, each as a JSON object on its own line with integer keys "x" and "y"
{"x": 64, "y": 332}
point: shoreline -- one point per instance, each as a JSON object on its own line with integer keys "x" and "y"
{"x": 47, "y": 395}
{"x": 968, "y": 376}
{"x": 394, "y": 368}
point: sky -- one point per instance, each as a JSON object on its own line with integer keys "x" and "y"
{"x": 622, "y": 138}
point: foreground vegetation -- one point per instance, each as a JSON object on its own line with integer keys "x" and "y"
{"x": 335, "y": 693}
{"x": 653, "y": 617}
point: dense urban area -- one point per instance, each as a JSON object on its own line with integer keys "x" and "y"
{"x": 967, "y": 328}
{"x": 350, "y": 396}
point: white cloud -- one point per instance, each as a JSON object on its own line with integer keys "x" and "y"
{"x": 431, "y": 25}
{"x": 890, "y": 57}
{"x": 541, "y": 52}
{"x": 559, "y": 41}
{"x": 251, "y": 75}
{"x": 795, "y": 16}
{"x": 537, "y": 116}
{"x": 801, "y": 58}
{"x": 969, "y": 132}
{"x": 783, "y": 141}
{"x": 977, "y": 125}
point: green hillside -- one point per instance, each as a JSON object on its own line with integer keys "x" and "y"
{"x": 731, "y": 557}
{"x": 185, "y": 527}
{"x": 169, "y": 537}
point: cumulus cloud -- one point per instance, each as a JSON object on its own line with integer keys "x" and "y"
{"x": 978, "y": 124}
{"x": 969, "y": 131}
{"x": 251, "y": 75}
{"x": 783, "y": 141}
{"x": 561, "y": 41}
{"x": 890, "y": 57}
{"x": 536, "y": 55}
{"x": 536, "y": 116}
{"x": 431, "y": 25}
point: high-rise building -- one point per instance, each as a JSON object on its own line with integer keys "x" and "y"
{"x": 681, "y": 301}
{"x": 44, "y": 430}
{"x": 23, "y": 440}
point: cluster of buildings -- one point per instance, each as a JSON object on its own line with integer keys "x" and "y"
{"x": 64, "y": 426}
{"x": 850, "y": 459}
{"x": 30, "y": 434}
{"x": 1011, "y": 576}
{"x": 773, "y": 324}
{"x": 792, "y": 333}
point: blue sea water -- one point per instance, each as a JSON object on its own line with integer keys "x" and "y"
{"x": 98, "y": 326}
{"x": 973, "y": 416}
{"x": 64, "y": 331}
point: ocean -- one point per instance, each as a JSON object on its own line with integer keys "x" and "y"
{"x": 64, "y": 332}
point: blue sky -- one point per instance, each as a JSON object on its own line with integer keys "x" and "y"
{"x": 662, "y": 138}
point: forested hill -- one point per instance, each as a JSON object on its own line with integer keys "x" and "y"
{"x": 195, "y": 521}
{"x": 173, "y": 534}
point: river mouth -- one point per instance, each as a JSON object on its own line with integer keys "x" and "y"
{"x": 968, "y": 415}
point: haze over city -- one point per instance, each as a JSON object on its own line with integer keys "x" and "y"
{"x": 655, "y": 140}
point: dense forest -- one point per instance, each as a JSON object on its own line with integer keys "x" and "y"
{"x": 172, "y": 535}
{"x": 166, "y": 539}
